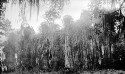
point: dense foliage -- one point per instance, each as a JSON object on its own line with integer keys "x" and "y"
{"x": 80, "y": 45}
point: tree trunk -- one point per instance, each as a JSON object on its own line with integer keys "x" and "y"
{"x": 68, "y": 58}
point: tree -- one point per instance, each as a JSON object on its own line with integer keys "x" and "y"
{"x": 54, "y": 6}
{"x": 4, "y": 30}
{"x": 105, "y": 29}
{"x": 25, "y": 46}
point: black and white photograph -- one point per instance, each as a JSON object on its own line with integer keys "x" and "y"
{"x": 62, "y": 37}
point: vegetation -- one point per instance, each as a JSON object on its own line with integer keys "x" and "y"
{"x": 80, "y": 45}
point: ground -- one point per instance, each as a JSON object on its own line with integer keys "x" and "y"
{"x": 84, "y": 72}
